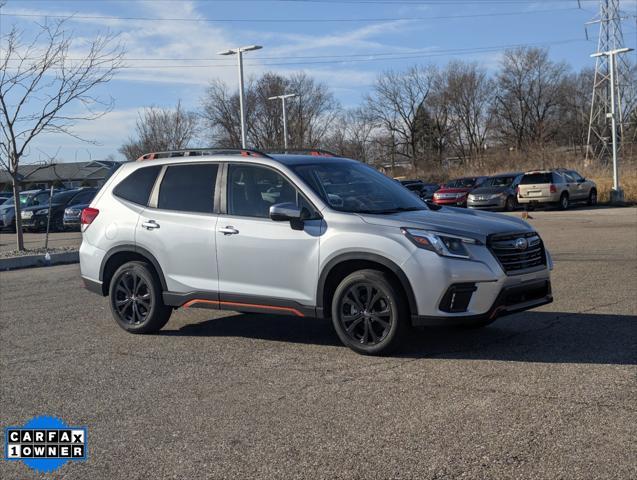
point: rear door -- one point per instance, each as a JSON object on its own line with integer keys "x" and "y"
{"x": 536, "y": 186}
{"x": 178, "y": 227}
{"x": 265, "y": 263}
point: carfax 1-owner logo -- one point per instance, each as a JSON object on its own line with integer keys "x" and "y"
{"x": 45, "y": 443}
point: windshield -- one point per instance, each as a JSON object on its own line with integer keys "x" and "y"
{"x": 498, "y": 182}
{"x": 62, "y": 197}
{"x": 357, "y": 188}
{"x": 461, "y": 183}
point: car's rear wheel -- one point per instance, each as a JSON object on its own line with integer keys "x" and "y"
{"x": 368, "y": 314}
{"x": 592, "y": 198}
{"x": 136, "y": 301}
{"x": 563, "y": 205}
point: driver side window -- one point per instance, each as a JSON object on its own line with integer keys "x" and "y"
{"x": 252, "y": 190}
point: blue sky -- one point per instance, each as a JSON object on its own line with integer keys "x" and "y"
{"x": 163, "y": 53}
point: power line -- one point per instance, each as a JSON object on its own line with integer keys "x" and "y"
{"x": 352, "y": 59}
{"x": 284, "y": 20}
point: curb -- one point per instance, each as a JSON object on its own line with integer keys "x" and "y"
{"x": 30, "y": 261}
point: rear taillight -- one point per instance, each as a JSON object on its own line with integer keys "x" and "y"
{"x": 88, "y": 215}
{"x": 517, "y": 190}
{"x": 553, "y": 188}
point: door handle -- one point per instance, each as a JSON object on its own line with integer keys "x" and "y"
{"x": 150, "y": 225}
{"x": 229, "y": 230}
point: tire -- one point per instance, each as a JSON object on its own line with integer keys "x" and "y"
{"x": 136, "y": 300}
{"x": 592, "y": 198}
{"x": 563, "y": 204}
{"x": 510, "y": 204}
{"x": 375, "y": 329}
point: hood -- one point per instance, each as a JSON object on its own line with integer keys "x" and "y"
{"x": 453, "y": 190}
{"x": 488, "y": 190}
{"x": 6, "y": 208}
{"x": 458, "y": 221}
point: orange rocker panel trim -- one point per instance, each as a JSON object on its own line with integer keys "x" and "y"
{"x": 294, "y": 311}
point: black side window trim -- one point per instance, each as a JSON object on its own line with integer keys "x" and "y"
{"x": 223, "y": 191}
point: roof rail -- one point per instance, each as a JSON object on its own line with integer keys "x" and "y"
{"x": 198, "y": 152}
{"x": 315, "y": 152}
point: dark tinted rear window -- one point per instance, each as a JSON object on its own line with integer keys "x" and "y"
{"x": 536, "y": 178}
{"x": 137, "y": 186}
{"x": 188, "y": 188}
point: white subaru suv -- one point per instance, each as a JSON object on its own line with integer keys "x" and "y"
{"x": 309, "y": 235}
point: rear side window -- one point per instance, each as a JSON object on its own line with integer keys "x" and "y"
{"x": 536, "y": 178}
{"x": 137, "y": 186}
{"x": 188, "y": 188}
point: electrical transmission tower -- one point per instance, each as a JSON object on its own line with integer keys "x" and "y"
{"x": 599, "y": 143}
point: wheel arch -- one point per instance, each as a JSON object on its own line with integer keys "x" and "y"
{"x": 121, "y": 254}
{"x": 342, "y": 265}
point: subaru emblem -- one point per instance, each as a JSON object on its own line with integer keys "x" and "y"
{"x": 521, "y": 244}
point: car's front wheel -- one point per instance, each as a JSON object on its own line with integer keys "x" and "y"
{"x": 592, "y": 198}
{"x": 368, "y": 314}
{"x": 136, "y": 301}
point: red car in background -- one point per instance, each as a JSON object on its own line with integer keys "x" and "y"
{"x": 454, "y": 192}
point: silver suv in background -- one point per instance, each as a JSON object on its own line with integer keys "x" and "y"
{"x": 559, "y": 187}
{"x": 303, "y": 235}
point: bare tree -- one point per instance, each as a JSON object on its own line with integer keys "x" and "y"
{"x": 310, "y": 115}
{"x": 161, "y": 129}
{"x": 528, "y": 97}
{"x": 39, "y": 85}
{"x": 352, "y": 135}
{"x": 469, "y": 98}
{"x": 397, "y": 105}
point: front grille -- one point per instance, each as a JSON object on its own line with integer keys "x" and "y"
{"x": 507, "y": 248}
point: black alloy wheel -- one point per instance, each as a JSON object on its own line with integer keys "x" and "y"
{"x": 136, "y": 301}
{"x": 365, "y": 314}
{"x": 368, "y": 313}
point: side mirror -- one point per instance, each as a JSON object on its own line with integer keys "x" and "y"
{"x": 287, "y": 212}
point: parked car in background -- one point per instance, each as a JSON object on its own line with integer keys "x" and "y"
{"x": 35, "y": 218}
{"x": 73, "y": 215}
{"x": 28, "y": 198}
{"x": 559, "y": 187}
{"x": 496, "y": 193}
{"x": 454, "y": 193}
{"x": 424, "y": 190}
{"x": 4, "y": 196}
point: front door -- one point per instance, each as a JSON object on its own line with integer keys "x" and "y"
{"x": 178, "y": 228}
{"x": 262, "y": 262}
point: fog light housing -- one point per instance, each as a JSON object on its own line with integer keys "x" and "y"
{"x": 457, "y": 297}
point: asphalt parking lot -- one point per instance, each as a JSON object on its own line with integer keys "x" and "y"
{"x": 550, "y": 393}
{"x": 36, "y": 240}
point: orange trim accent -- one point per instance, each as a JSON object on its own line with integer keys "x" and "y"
{"x": 238, "y": 304}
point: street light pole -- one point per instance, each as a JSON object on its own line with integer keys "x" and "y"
{"x": 239, "y": 52}
{"x": 617, "y": 195}
{"x": 285, "y": 115}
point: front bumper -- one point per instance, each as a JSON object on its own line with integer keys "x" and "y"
{"x": 36, "y": 222}
{"x": 512, "y": 299}
{"x": 491, "y": 204}
{"x": 431, "y": 277}
{"x": 453, "y": 202}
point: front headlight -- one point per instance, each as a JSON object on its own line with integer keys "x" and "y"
{"x": 443, "y": 244}
{"x": 44, "y": 211}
